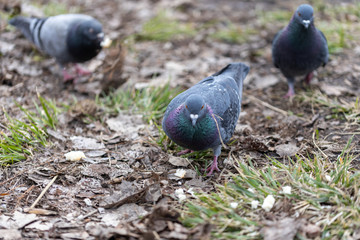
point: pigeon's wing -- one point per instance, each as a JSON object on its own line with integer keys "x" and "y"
{"x": 52, "y": 35}
{"x": 225, "y": 100}
{"x": 274, "y": 50}
{"x": 325, "y": 54}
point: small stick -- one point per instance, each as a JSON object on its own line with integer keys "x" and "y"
{"x": 87, "y": 215}
{"x": 8, "y": 180}
{"x": 23, "y": 195}
{"x": 43, "y": 192}
{"x": 217, "y": 126}
{"x": 268, "y": 105}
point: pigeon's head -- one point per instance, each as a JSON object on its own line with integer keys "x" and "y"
{"x": 195, "y": 108}
{"x": 304, "y": 15}
{"x": 92, "y": 33}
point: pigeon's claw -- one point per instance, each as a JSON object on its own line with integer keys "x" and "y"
{"x": 212, "y": 167}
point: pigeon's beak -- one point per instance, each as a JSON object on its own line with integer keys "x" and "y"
{"x": 100, "y": 35}
{"x": 194, "y": 118}
{"x": 306, "y": 23}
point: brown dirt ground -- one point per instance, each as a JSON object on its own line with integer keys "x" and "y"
{"x": 126, "y": 175}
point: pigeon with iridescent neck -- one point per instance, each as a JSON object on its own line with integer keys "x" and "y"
{"x": 205, "y": 115}
{"x": 300, "y": 47}
{"x": 69, "y": 38}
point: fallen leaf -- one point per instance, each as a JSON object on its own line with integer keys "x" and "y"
{"x": 283, "y": 229}
{"x": 286, "y": 150}
{"x": 333, "y": 90}
{"x": 312, "y": 231}
{"x": 153, "y": 194}
{"x": 179, "y": 161}
{"x": 127, "y": 212}
{"x": 86, "y": 143}
{"x": 10, "y": 234}
{"x": 126, "y": 125}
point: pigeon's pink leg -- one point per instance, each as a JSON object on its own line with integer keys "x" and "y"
{"x": 184, "y": 152}
{"x": 309, "y": 77}
{"x": 81, "y": 71}
{"x": 291, "y": 91}
{"x": 67, "y": 77}
{"x": 212, "y": 167}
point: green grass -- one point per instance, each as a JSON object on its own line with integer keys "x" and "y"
{"x": 163, "y": 28}
{"x": 150, "y": 102}
{"x": 323, "y": 192}
{"x": 53, "y": 8}
{"x": 233, "y": 33}
{"x": 339, "y": 108}
{"x": 20, "y": 137}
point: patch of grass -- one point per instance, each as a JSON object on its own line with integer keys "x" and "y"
{"x": 323, "y": 192}
{"x": 281, "y": 16}
{"x": 336, "y": 34}
{"x": 151, "y": 102}
{"x": 339, "y": 108}
{"x": 56, "y": 8}
{"x": 163, "y": 28}
{"x": 20, "y": 137}
{"x": 233, "y": 34}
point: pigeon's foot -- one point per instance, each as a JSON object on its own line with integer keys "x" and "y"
{"x": 184, "y": 152}
{"x": 291, "y": 91}
{"x": 289, "y": 94}
{"x": 309, "y": 77}
{"x": 67, "y": 77}
{"x": 81, "y": 71}
{"x": 212, "y": 167}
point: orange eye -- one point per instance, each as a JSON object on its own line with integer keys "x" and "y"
{"x": 299, "y": 14}
{"x": 186, "y": 106}
{"x": 202, "y": 106}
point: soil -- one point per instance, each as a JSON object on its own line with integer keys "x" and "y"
{"x": 126, "y": 186}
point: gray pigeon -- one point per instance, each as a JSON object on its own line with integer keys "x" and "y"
{"x": 69, "y": 38}
{"x": 299, "y": 48}
{"x": 205, "y": 115}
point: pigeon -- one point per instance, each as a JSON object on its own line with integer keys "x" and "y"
{"x": 299, "y": 48}
{"x": 205, "y": 115}
{"x": 69, "y": 38}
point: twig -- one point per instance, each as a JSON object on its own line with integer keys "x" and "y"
{"x": 87, "y": 215}
{"x": 268, "y": 105}
{"x": 43, "y": 192}
{"x": 23, "y": 195}
{"x": 340, "y": 133}
{"x": 217, "y": 126}
{"x": 8, "y": 180}
{"x": 313, "y": 138}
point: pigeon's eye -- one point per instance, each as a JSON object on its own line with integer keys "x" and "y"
{"x": 186, "y": 106}
{"x": 202, "y": 106}
{"x": 299, "y": 14}
{"x": 91, "y": 30}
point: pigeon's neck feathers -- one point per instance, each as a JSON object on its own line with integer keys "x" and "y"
{"x": 237, "y": 71}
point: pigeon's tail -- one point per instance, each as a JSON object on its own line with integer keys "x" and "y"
{"x": 30, "y": 27}
{"x": 238, "y": 71}
{"x": 24, "y": 25}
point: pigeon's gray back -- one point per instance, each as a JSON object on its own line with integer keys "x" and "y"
{"x": 53, "y": 34}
